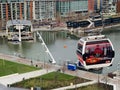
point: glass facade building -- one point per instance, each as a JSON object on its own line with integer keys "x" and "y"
{"x": 27, "y": 9}
{"x": 64, "y": 7}
{"x": 44, "y": 9}
{"x": 79, "y": 6}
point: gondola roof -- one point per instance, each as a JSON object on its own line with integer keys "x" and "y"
{"x": 92, "y": 38}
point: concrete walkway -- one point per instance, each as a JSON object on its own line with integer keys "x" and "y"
{"x": 96, "y": 77}
{"x": 10, "y": 79}
{"x": 76, "y": 85}
{"x": 7, "y": 88}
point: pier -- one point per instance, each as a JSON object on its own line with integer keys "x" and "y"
{"x": 47, "y": 28}
{"x": 93, "y": 29}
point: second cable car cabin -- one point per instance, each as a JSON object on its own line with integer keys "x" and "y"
{"x": 95, "y": 52}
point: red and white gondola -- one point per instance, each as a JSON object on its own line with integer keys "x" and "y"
{"x": 95, "y": 52}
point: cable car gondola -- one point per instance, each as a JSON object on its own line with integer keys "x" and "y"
{"x": 95, "y": 52}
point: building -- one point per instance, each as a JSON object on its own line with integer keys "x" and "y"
{"x": 39, "y": 9}
{"x": 94, "y": 6}
{"x": 91, "y": 4}
{"x": 105, "y": 4}
{"x": 10, "y": 10}
{"x": 67, "y": 7}
{"x": 44, "y": 9}
{"x": 26, "y": 9}
{"x": 109, "y": 7}
{"x": 50, "y": 9}
{"x": 98, "y": 5}
{"x": 118, "y": 6}
{"x": 112, "y": 7}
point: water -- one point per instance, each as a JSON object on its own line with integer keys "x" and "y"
{"x": 114, "y": 35}
{"x": 62, "y": 47}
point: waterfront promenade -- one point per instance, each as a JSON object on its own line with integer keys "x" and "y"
{"x": 10, "y": 79}
{"x": 45, "y": 28}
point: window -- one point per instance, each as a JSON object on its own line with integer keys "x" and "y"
{"x": 80, "y": 47}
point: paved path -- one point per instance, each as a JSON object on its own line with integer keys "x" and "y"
{"x": 75, "y": 86}
{"x": 6, "y": 80}
{"x": 19, "y": 77}
{"x": 10, "y": 79}
{"x": 94, "y": 77}
{"x": 23, "y": 60}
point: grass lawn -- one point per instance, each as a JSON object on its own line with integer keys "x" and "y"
{"x": 50, "y": 81}
{"x": 8, "y": 67}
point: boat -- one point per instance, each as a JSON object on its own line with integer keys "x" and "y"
{"x": 95, "y": 52}
{"x": 15, "y": 37}
{"x": 78, "y": 24}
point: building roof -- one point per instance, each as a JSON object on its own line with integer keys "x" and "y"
{"x": 18, "y": 22}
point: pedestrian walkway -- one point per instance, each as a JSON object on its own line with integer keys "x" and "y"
{"x": 96, "y": 77}
{"x": 24, "y": 61}
{"x": 76, "y": 85}
{"x": 10, "y": 79}
{"x": 11, "y": 88}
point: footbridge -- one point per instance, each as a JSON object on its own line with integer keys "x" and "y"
{"x": 46, "y": 49}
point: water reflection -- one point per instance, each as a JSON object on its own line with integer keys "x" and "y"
{"x": 50, "y": 37}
